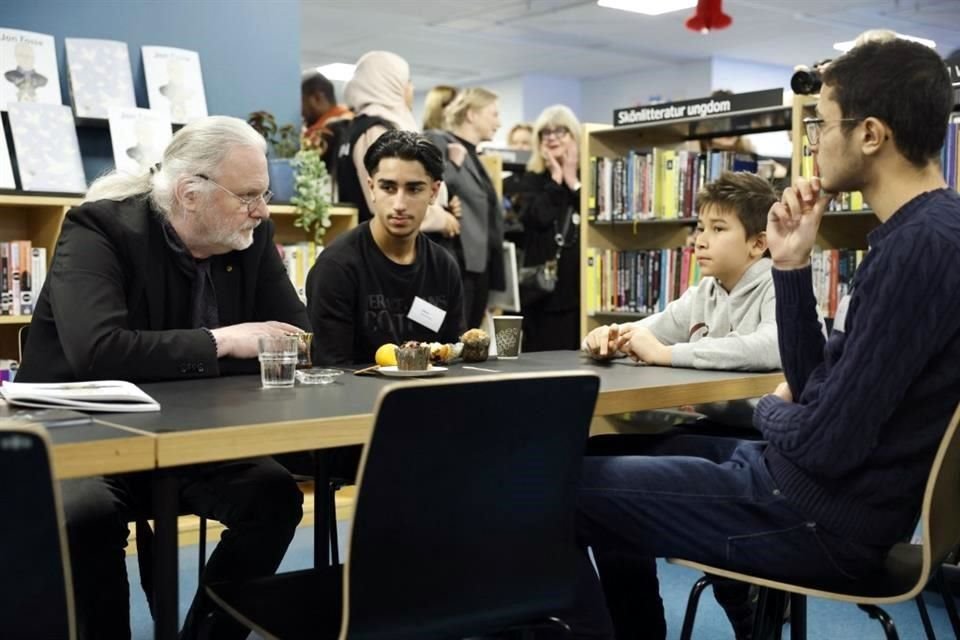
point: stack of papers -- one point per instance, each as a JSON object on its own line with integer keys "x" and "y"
{"x": 99, "y": 395}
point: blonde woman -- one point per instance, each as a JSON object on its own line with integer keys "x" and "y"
{"x": 473, "y": 117}
{"x": 437, "y": 99}
{"x": 550, "y": 193}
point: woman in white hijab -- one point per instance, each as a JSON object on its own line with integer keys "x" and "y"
{"x": 381, "y": 95}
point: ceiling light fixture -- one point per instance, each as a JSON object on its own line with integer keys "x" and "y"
{"x": 848, "y": 44}
{"x": 708, "y": 17}
{"x": 647, "y": 7}
{"x": 337, "y": 71}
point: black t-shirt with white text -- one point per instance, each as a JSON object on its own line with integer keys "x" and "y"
{"x": 359, "y": 299}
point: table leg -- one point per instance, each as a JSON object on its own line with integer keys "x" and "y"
{"x": 321, "y": 514}
{"x": 165, "y": 573}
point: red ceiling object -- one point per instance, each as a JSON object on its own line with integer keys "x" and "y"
{"x": 708, "y": 17}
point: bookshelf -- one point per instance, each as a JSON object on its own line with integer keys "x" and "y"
{"x": 38, "y": 218}
{"x": 633, "y": 233}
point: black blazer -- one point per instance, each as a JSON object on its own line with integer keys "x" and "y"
{"x": 104, "y": 305}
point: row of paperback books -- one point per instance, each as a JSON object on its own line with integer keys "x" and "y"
{"x": 638, "y": 281}
{"x": 833, "y": 271}
{"x": 23, "y": 268}
{"x": 656, "y": 184}
{"x": 646, "y": 281}
{"x": 297, "y": 259}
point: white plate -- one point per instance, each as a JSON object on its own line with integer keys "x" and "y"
{"x": 393, "y": 372}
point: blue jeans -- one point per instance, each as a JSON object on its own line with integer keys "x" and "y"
{"x": 717, "y": 504}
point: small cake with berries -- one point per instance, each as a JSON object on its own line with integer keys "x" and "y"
{"x": 413, "y": 356}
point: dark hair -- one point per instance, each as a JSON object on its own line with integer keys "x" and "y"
{"x": 314, "y": 83}
{"x": 903, "y": 83}
{"x": 406, "y": 145}
{"x": 746, "y": 194}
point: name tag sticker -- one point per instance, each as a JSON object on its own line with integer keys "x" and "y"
{"x": 840, "y": 318}
{"x": 426, "y": 314}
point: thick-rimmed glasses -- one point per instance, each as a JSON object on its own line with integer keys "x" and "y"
{"x": 814, "y": 126}
{"x": 250, "y": 203}
{"x": 556, "y": 132}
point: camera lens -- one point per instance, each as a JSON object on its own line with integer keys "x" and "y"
{"x": 805, "y": 82}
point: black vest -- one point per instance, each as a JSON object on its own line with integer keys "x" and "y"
{"x": 349, "y": 189}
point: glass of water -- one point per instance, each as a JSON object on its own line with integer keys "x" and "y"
{"x": 278, "y": 360}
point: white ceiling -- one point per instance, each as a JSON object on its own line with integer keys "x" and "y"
{"x": 466, "y": 42}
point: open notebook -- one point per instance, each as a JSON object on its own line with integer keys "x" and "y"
{"x": 98, "y": 395}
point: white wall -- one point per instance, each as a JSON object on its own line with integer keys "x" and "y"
{"x": 542, "y": 91}
{"x": 741, "y": 76}
{"x": 663, "y": 83}
{"x": 510, "y": 91}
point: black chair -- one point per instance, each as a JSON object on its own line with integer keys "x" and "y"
{"x": 464, "y": 519}
{"x": 37, "y": 597}
{"x": 908, "y": 569}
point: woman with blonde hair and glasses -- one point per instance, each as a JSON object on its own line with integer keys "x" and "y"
{"x": 551, "y": 231}
{"x": 473, "y": 117}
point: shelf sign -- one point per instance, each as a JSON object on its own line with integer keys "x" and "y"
{"x": 698, "y": 108}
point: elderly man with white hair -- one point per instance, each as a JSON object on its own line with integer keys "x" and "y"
{"x": 170, "y": 275}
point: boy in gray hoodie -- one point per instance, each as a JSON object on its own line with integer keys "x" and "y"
{"x": 728, "y": 320}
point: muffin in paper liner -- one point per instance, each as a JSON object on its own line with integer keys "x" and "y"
{"x": 476, "y": 345}
{"x": 413, "y": 356}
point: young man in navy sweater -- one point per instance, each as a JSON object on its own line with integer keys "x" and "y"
{"x": 850, "y": 437}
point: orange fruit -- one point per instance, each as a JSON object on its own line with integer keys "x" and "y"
{"x": 386, "y": 356}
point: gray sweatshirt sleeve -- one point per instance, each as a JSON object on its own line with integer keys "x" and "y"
{"x": 757, "y": 351}
{"x": 672, "y": 325}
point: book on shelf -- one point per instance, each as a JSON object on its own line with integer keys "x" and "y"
{"x": 832, "y": 271}
{"x": 658, "y": 183}
{"x": 45, "y": 141}
{"x": 950, "y": 156}
{"x": 6, "y": 167}
{"x": 138, "y": 138}
{"x": 99, "y": 76}
{"x": 98, "y": 395}
{"x": 28, "y": 66}
{"x": 23, "y": 269}
{"x": 175, "y": 83}
{"x": 297, "y": 259}
{"x": 641, "y": 281}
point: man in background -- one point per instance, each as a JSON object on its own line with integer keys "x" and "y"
{"x": 323, "y": 119}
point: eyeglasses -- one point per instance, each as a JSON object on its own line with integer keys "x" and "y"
{"x": 250, "y": 203}
{"x": 557, "y": 132}
{"x": 814, "y": 126}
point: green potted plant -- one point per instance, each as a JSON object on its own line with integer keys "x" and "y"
{"x": 297, "y": 176}
{"x": 312, "y": 187}
{"x": 283, "y": 141}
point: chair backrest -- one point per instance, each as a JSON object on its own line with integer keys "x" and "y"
{"x": 940, "y": 514}
{"x": 37, "y": 599}
{"x": 464, "y": 519}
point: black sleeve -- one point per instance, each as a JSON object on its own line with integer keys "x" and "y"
{"x": 331, "y": 300}
{"x": 89, "y": 274}
{"x": 455, "y": 323}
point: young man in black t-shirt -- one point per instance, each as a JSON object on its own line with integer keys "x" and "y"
{"x": 385, "y": 282}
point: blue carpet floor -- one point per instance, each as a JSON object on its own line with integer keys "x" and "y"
{"x": 826, "y": 620}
